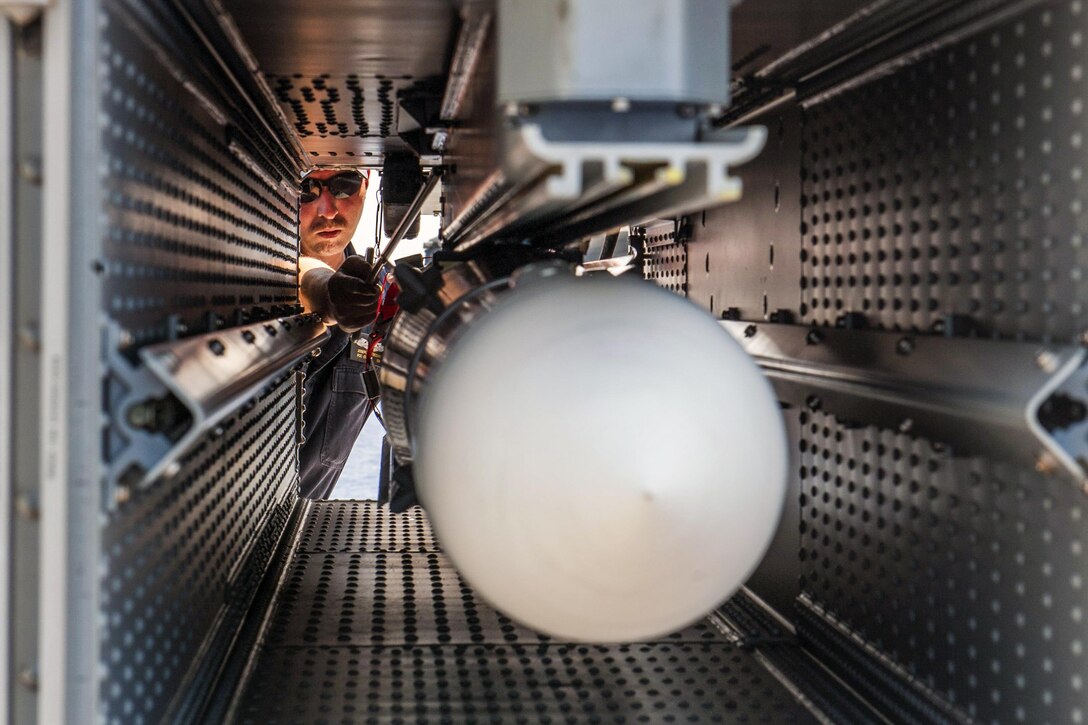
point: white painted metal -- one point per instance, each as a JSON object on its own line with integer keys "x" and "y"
{"x": 56, "y": 90}
{"x": 598, "y": 50}
{"x": 7, "y": 162}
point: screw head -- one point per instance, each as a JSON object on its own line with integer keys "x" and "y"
{"x": 1045, "y": 463}
{"x": 750, "y": 331}
{"x": 904, "y": 346}
{"x": 814, "y": 337}
{"x": 906, "y": 425}
{"x": 1047, "y": 361}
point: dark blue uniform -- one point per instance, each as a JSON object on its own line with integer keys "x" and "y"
{"x": 336, "y": 409}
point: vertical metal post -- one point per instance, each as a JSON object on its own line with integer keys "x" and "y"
{"x": 7, "y": 164}
{"x": 56, "y": 113}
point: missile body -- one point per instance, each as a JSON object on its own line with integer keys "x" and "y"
{"x": 599, "y": 459}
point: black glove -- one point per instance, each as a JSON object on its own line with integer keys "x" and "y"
{"x": 354, "y": 301}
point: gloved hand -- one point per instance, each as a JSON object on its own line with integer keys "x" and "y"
{"x": 354, "y": 301}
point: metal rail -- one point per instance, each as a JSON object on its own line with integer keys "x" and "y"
{"x": 977, "y": 396}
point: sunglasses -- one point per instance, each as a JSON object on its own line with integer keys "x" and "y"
{"x": 340, "y": 186}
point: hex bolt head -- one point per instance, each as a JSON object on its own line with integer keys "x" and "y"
{"x": 249, "y": 337}
{"x": 217, "y": 347}
{"x": 750, "y": 331}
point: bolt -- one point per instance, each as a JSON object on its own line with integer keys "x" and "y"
{"x": 249, "y": 337}
{"x": 270, "y": 330}
{"x": 904, "y": 346}
{"x": 141, "y": 415}
{"x": 217, "y": 347}
{"x": 1045, "y": 463}
{"x": 906, "y": 425}
{"x": 31, "y": 170}
{"x": 750, "y": 331}
{"x": 29, "y": 338}
{"x": 813, "y": 402}
{"x": 1047, "y": 361}
{"x": 172, "y": 469}
{"x": 26, "y": 505}
{"x": 814, "y": 337}
{"x": 28, "y": 677}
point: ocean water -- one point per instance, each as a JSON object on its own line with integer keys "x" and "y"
{"x": 359, "y": 479}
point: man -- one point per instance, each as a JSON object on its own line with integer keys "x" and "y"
{"x": 332, "y": 282}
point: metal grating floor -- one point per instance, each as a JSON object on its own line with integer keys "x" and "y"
{"x": 373, "y": 624}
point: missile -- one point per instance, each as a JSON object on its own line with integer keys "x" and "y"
{"x": 599, "y": 459}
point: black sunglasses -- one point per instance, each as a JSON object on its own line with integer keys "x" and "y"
{"x": 340, "y": 186}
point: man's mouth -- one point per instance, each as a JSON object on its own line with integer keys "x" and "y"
{"x": 329, "y": 233}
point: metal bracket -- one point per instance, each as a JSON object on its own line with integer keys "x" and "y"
{"x": 558, "y": 190}
{"x": 980, "y": 397}
{"x": 183, "y": 390}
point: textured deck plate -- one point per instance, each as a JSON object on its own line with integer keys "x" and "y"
{"x": 372, "y": 623}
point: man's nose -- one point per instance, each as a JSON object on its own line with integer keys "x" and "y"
{"x": 326, "y": 204}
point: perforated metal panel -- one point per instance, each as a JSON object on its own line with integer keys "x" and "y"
{"x": 196, "y": 234}
{"x": 343, "y": 119}
{"x": 955, "y": 186}
{"x": 344, "y": 526}
{"x": 338, "y": 71}
{"x": 969, "y": 575}
{"x": 665, "y": 259}
{"x": 198, "y": 225}
{"x": 380, "y": 627}
{"x": 746, "y": 255}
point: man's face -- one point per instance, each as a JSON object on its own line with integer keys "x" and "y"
{"x": 327, "y": 224}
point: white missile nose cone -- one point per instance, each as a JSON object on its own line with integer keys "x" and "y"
{"x": 600, "y": 459}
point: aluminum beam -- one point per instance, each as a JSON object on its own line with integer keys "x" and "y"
{"x": 978, "y": 396}
{"x": 184, "y": 389}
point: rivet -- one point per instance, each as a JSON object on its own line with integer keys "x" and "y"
{"x": 31, "y": 170}
{"x": 1047, "y": 361}
{"x": 28, "y": 678}
{"x": 814, "y": 337}
{"x": 1045, "y": 463}
{"x": 750, "y": 331}
{"x": 26, "y": 505}
{"x": 906, "y": 425}
{"x": 29, "y": 337}
{"x": 904, "y": 346}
